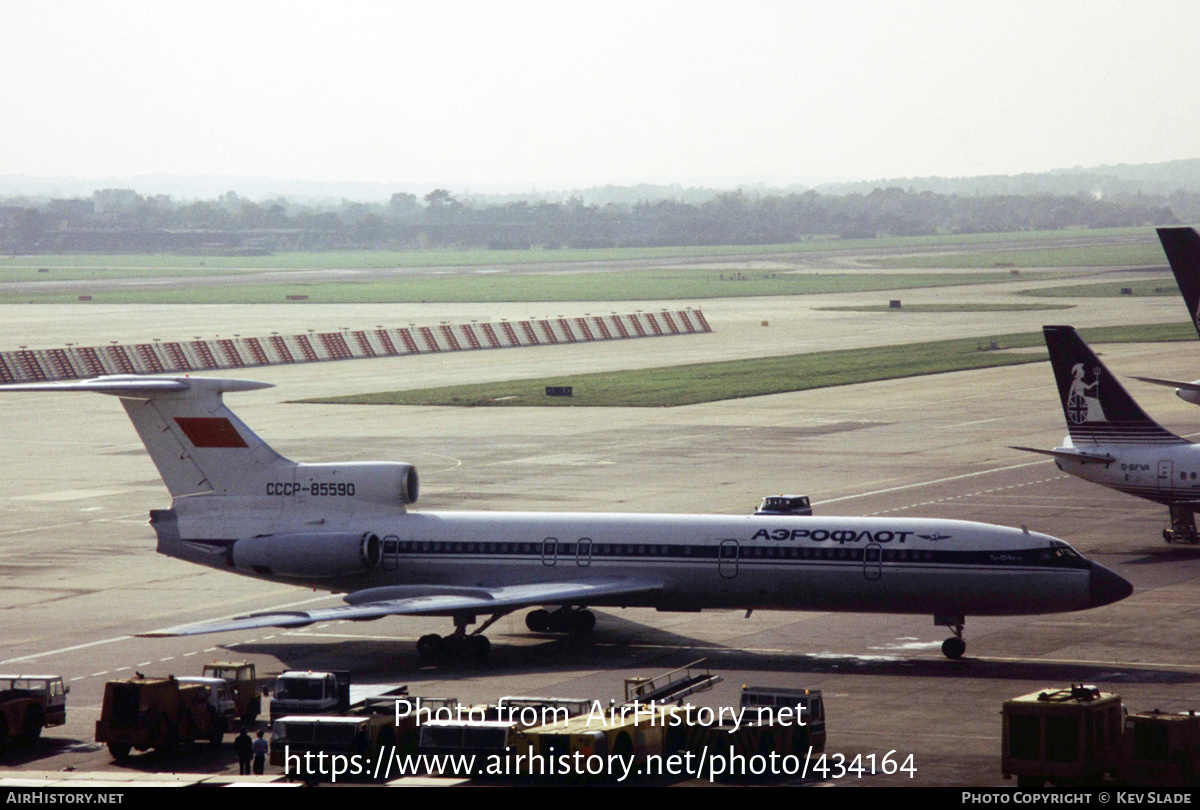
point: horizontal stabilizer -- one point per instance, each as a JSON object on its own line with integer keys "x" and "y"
{"x": 1183, "y": 386}
{"x": 141, "y": 386}
{"x": 1072, "y": 455}
{"x": 198, "y": 445}
{"x": 431, "y": 600}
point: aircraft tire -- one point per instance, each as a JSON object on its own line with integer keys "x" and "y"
{"x": 480, "y": 646}
{"x": 538, "y": 621}
{"x": 953, "y": 648}
{"x": 430, "y": 646}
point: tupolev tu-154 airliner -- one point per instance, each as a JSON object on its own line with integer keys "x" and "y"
{"x": 239, "y": 506}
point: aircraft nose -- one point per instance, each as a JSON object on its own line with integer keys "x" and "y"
{"x": 1105, "y": 587}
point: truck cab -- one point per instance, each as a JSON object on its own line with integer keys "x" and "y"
{"x": 219, "y": 699}
{"x": 28, "y": 703}
{"x": 310, "y": 692}
{"x": 243, "y": 684}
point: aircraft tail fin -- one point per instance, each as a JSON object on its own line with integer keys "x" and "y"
{"x": 197, "y": 443}
{"x": 1182, "y": 246}
{"x": 1097, "y": 408}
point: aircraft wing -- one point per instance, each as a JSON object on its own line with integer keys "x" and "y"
{"x": 430, "y": 600}
{"x": 1184, "y": 386}
{"x": 1071, "y": 455}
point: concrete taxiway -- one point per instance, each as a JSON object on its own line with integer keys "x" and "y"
{"x": 80, "y": 575}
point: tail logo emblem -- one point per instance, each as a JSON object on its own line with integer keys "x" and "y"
{"x": 1080, "y": 406}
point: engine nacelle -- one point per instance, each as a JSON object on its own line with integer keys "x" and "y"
{"x": 1188, "y": 395}
{"x": 317, "y": 554}
{"x": 385, "y": 483}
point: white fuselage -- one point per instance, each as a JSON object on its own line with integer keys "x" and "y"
{"x": 1163, "y": 473}
{"x": 892, "y": 565}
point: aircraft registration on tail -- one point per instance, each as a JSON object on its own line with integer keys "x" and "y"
{"x": 239, "y": 506}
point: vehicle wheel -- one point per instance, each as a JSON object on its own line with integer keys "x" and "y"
{"x": 953, "y": 648}
{"x": 1167, "y": 535}
{"x": 480, "y": 647}
{"x": 538, "y": 621}
{"x": 252, "y": 712}
{"x": 35, "y": 718}
{"x": 3, "y": 732}
{"x": 430, "y": 646}
{"x": 119, "y": 751}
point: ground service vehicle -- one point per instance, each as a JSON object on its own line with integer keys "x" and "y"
{"x": 801, "y": 709}
{"x": 304, "y": 693}
{"x": 478, "y": 738}
{"x": 634, "y": 734}
{"x": 365, "y": 735}
{"x": 785, "y": 505}
{"x": 222, "y": 709}
{"x": 28, "y": 703}
{"x": 1160, "y": 750}
{"x": 243, "y": 684}
{"x": 1062, "y": 736}
{"x": 159, "y": 713}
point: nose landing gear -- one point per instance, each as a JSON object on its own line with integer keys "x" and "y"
{"x": 952, "y": 648}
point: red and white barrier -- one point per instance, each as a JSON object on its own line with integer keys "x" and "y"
{"x": 159, "y": 357}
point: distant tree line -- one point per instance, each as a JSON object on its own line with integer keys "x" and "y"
{"x": 125, "y": 221}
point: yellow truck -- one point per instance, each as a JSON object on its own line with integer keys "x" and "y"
{"x": 159, "y": 713}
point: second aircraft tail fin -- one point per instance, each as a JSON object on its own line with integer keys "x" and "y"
{"x": 1097, "y": 408}
{"x": 1182, "y": 246}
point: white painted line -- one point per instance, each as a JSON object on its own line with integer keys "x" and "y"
{"x": 933, "y": 482}
{"x": 65, "y": 649}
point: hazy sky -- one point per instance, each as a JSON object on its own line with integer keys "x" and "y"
{"x": 561, "y": 94}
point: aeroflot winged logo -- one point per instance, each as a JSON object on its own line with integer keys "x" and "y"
{"x": 1083, "y": 404}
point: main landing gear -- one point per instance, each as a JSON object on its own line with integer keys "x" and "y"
{"x": 458, "y": 644}
{"x": 563, "y": 620}
{"x": 952, "y": 648}
{"x": 1183, "y": 527}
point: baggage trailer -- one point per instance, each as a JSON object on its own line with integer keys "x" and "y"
{"x": 1061, "y": 736}
{"x": 1160, "y": 750}
{"x": 315, "y": 747}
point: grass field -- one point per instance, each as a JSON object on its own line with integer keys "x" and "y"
{"x": 1163, "y": 285}
{"x": 139, "y": 263}
{"x": 626, "y": 285}
{"x": 1120, "y": 255}
{"x": 707, "y": 382}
